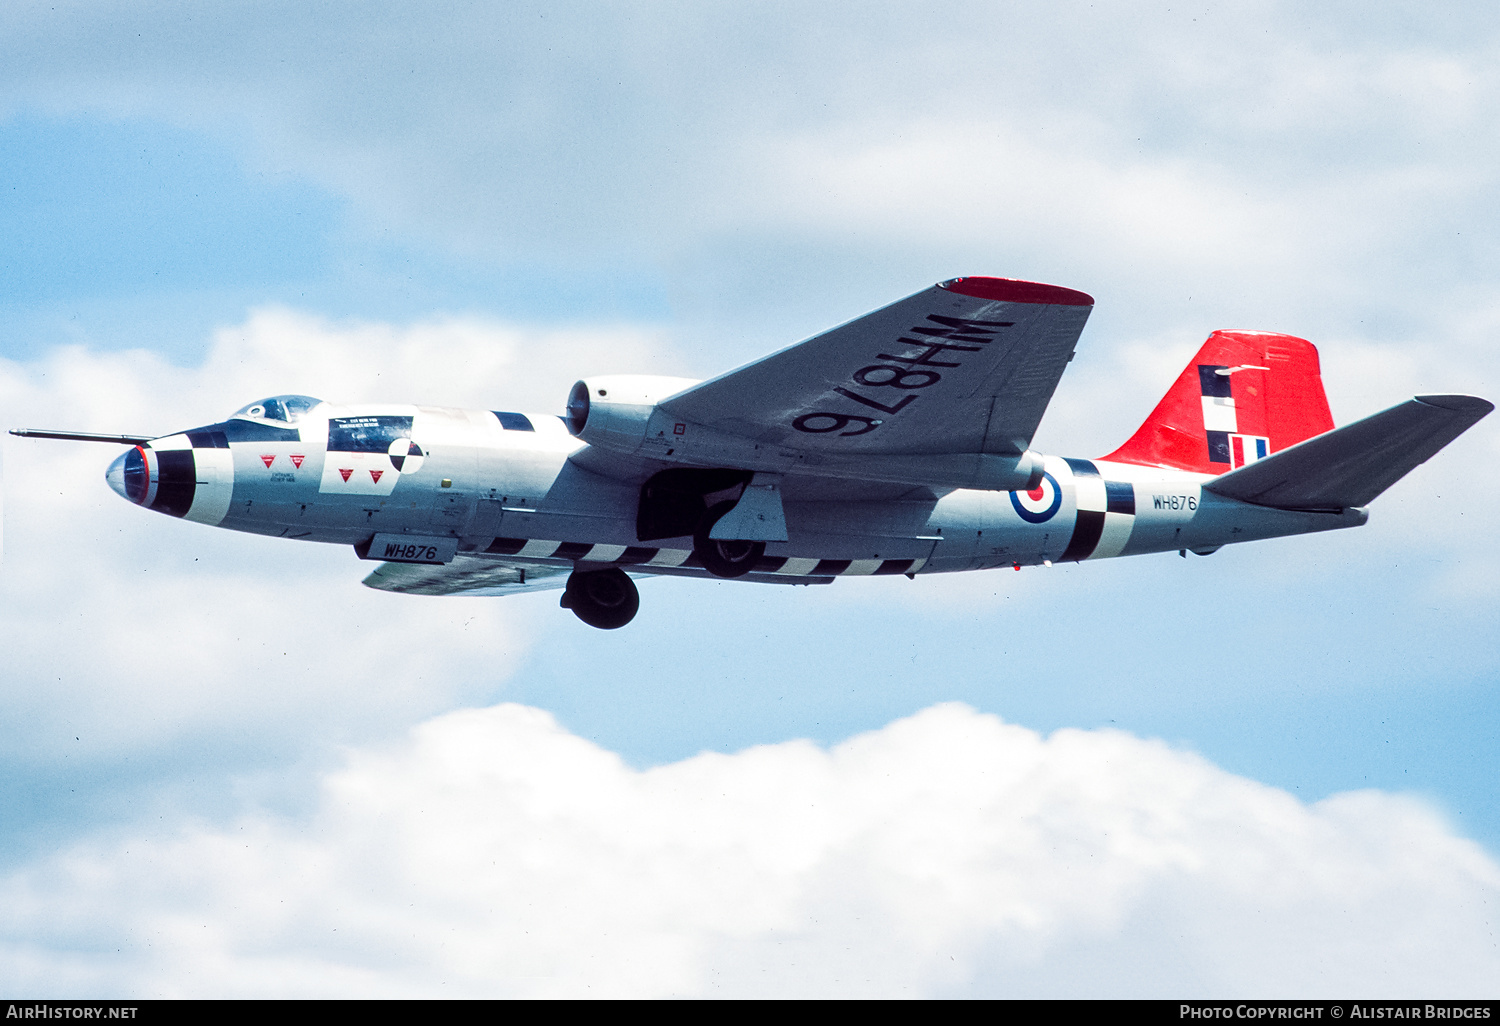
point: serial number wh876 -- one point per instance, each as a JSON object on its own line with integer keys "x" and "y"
{"x": 395, "y": 550}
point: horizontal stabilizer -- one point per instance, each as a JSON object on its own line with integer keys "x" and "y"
{"x": 1351, "y": 465}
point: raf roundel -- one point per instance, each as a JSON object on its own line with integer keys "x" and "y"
{"x": 406, "y": 456}
{"x": 1041, "y": 503}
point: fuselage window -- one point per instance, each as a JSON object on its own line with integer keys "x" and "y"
{"x": 288, "y": 409}
{"x": 366, "y": 434}
{"x": 514, "y": 421}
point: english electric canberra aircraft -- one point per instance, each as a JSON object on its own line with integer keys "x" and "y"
{"x": 898, "y": 443}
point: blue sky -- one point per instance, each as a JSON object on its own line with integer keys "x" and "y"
{"x": 474, "y": 206}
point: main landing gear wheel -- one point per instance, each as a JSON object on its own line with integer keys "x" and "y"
{"x": 602, "y": 598}
{"x": 725, "y": 558}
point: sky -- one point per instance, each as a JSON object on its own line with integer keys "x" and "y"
{"x": 230, "y": 770}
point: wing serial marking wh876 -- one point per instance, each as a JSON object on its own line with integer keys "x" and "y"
{"x": 916, "y": 374}
{"x": 796, "y": 469}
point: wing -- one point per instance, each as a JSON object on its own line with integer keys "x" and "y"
{"x": 967, "y": 366}
{"x": 466, "y": 575}
{"x": 469, "y": 575}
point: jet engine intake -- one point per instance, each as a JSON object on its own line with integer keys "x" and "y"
{"x": 613, "y": 411}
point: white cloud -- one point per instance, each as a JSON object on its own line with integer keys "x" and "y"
{"x": 467, "y": 362}
{"x": 1234, "y": 136}
{"x": 932, "y": 179}
{"x": 494, "y": 853}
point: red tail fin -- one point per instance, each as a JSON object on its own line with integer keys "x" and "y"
{"x": 1245, "y": 395}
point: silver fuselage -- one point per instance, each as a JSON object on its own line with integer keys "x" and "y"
{"x": 512, "y": 492}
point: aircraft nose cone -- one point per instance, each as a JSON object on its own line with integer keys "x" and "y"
{"x": 115, "y": 475}
{"x": 127, "y": 475}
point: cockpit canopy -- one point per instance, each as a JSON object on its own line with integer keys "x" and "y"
{"x": 279, "y": 409}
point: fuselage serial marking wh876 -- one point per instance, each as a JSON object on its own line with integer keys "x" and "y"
{"x": 898, "y": 443}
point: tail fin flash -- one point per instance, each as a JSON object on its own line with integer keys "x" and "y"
{"x": 1245, "y": 395}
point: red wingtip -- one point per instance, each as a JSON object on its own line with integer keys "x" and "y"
{"x": 1009, "y": 290}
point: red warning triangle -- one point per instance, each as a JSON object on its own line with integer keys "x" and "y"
{"x": 268, "y": 460}
{"x": 297, "y": 461}
{"x": 345, "y": 473}
{"x": 375, "y": 475}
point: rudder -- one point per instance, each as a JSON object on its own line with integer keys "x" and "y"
{"x": 1244, "y": 396}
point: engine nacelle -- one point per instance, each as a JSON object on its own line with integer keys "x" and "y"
{"x": 613, "y": 411}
